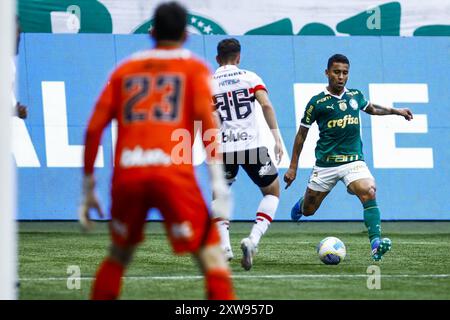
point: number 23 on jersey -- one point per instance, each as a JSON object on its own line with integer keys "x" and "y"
{"x": 152, "y": 97}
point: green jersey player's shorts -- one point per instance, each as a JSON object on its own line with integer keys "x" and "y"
{"x": 323, "y": 179}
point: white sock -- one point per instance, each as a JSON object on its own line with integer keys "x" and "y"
{"x": 264, "y": 216}
{"x": 223, "y": 226}
{"x": 224, "y": 230}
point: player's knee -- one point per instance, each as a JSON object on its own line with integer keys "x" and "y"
{"x": 272, "y": 189}
{"x": 369, "y": 194}
{"x": 212, "y": 257}
{"x": 373, "y": 192}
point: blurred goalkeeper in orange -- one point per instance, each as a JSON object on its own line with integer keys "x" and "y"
{"x": 154, "y": 96}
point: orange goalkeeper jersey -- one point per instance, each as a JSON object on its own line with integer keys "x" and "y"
{"x": 155, "y": 96}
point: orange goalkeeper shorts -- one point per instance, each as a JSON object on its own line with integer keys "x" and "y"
{"x": 186, "y": 217}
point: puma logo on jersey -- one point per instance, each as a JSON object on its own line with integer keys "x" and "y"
{"x": 139, "y": 157}
{"x": 342, "y": 123}
{"x": 330, "y": 107}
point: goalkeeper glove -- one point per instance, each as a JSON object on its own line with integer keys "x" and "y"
{"x": 89, "y": 200}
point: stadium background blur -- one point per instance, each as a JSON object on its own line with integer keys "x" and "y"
{"x": 61, "y": 75}
{"x": 399, "y": 53}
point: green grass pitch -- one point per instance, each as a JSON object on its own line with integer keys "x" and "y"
{"x": 286, "y": 267}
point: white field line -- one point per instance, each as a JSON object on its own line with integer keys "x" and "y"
{"x": 436, "y": 243}
{"x": 269, "y": 276}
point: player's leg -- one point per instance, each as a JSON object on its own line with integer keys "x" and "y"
{"x": 321, "y": 182}
{"x": 266, "y": 210}
{"x": 217, "y": 273}
{"x": 231, "y": 169}
{"x": 308, "y": 204}
{"x": 190, "y": 229}
{"x": 360, "y": 182}
{"x": 128, "y": 214}
{"x": 108, "y": 279}
{"x": 264, "y": 174}
{"x": 264, "y": 216}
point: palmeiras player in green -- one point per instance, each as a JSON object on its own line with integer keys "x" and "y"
{"x": 339, "y": 154}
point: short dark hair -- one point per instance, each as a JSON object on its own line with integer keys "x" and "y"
{"x": 228, "y": 49}
{"x": 169, "y": 21}
{"x": 337, "y": 58}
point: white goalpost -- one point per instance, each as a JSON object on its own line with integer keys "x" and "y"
{"x": 8, "y": 241}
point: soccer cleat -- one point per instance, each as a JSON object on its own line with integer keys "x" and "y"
{"x": 296, "y": 211}
{"x": 249, "y": 250}
{"x": 380, "y": 247}
{"x": 228, "y": 254}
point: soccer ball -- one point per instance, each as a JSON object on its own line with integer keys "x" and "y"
{"x": 331, "y": 250}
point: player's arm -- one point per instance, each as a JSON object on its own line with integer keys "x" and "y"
{"x": 377, "y": 110}
{"x": 216, "y": 118}
{"x": 102, "y": 115}
{"x": 204, "y": 112}
{"x": 299, "y": 141}
{"x": 269, "y": 114}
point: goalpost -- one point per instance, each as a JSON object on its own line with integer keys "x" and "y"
{"x": 8, "y": 241}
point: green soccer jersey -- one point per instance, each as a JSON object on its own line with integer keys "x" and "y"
{"x": 339, "y": 126}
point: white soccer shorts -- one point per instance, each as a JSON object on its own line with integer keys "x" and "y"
{"x": 323, "y": 179}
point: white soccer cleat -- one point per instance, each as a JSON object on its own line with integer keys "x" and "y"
{"x": 228, "y": 254}
{"x": 249, "y": 250}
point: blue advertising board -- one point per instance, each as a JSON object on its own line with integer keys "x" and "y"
{"x": 61, "y": 76}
